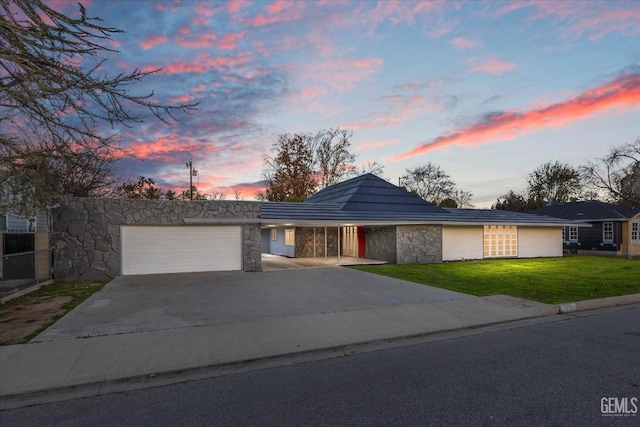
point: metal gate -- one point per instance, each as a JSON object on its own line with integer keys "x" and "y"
{"x": 18, "y": 257}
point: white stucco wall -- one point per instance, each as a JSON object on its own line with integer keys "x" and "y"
{"x": 539, "y": 242}
{"x": 462, "y": 243}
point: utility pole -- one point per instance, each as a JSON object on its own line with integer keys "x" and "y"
{"x": 192, "y": 173}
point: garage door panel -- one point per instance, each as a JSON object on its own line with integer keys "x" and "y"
{"x": 178, "y": 249}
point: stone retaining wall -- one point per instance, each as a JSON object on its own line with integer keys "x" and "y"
{"x": 86, "y": 231}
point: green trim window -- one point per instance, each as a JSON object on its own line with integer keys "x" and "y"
{"x": 607, "y": 232}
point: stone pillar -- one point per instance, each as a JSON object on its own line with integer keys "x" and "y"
{"x": 419, "y": 244}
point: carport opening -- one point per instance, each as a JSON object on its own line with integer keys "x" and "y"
{"x": 289, "y": 246}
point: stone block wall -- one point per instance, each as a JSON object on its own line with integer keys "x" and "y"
{"x": 305, "y": 242}
{"x": 86, "y": 231}
{"x": 380, "y": 243}
{"x": 419, "y": 244}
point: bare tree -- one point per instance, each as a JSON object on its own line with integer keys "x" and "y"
{"x": 617, "y": 174}
{"x": 462, "y": 199}
{"x": 52, "y": 78}
{"x": 333, "y": 160}
{"x": 429, "y": 182}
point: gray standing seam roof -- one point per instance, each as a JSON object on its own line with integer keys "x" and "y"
{"x": 369, "y": 199}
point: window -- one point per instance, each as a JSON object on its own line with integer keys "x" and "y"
{"x": 635, "y": 231}
{"x": 31, "y": 225}
{"x": 573, "y": 234}
{"x": 274, "y": 234}
{"x": 607, "y": 232}
{"x": 500, "y": 241}
{"x": 289, "y": 236}
{"x": 564, "y": 239}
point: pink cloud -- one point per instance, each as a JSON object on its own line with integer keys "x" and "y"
{"x": 397, "y": 12}
{"x": 623, "y": 92}
{"x": 234, "y": 5}
{"x": 201, "y": 64}
{"x": 579, "y": 19}
{"x": 400, "y": 109}
{"x": 152, "y": 42}
{"x": 376, "y": 144}
{"x": 280, "y": 11}
{"x": 462, "y": 43}
{"x": 344, "y": 74}
{"x": 198, "y": 41}
{"x": 230, "y": 41}
{"x": 492, "y": 66}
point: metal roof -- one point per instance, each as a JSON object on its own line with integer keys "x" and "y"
{"x": 369, "y": 200}
{"x": 370, "y": 193}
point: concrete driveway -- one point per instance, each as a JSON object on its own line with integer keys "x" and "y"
{"x": 155, "y": 302}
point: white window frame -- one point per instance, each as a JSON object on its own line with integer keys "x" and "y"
{"x": 289, "y": 236}
{"x": 500, "y": 241}
{"x": 274, "y": 234}
{"x": 607, "y": 229}
{"x": 634, "y": 229}
{"x": 573, "y": 234}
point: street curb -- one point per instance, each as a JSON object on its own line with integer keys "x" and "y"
{"x": 593, "y": 304}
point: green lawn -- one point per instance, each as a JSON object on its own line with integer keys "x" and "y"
{"x": 548, "y": 280}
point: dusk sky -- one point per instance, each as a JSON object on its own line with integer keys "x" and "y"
{"x": 486, "y": 90}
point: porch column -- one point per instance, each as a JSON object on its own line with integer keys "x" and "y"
{"x": 338, "y": 243}
{"x": 325, "y": 242}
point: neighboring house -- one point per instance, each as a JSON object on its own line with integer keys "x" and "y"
{"x": 615, "y": 230}
{"x": 365, "y": 217}
{"x": 24, "y": 247}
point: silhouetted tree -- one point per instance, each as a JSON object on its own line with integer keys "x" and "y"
{"x": 617, "y": 174}
{"x": 431, "y": 183}
{"x": 554, "y": 183}
{"x": 56, "y": 98}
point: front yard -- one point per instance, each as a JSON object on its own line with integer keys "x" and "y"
{"x": 23, "y": 318}
{"x": 548, "y": 280}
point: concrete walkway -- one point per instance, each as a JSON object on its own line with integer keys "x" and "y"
{"x": 389, "y": 309}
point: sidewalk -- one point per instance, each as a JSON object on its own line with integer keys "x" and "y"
{"x": 36, "y": 367}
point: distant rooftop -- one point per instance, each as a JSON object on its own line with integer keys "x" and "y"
{"x": 587, "y": 210}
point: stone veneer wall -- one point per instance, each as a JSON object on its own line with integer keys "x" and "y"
{"x": 304, "y": 242}
{"x": 86, "y": 231}
{"x": 380, "y": 243}
{"x": 419, "y": 244}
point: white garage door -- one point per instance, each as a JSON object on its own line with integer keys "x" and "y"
{"x": 180, "y": 249}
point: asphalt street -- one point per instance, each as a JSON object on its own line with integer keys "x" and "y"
{"x": 558, "y": 372}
